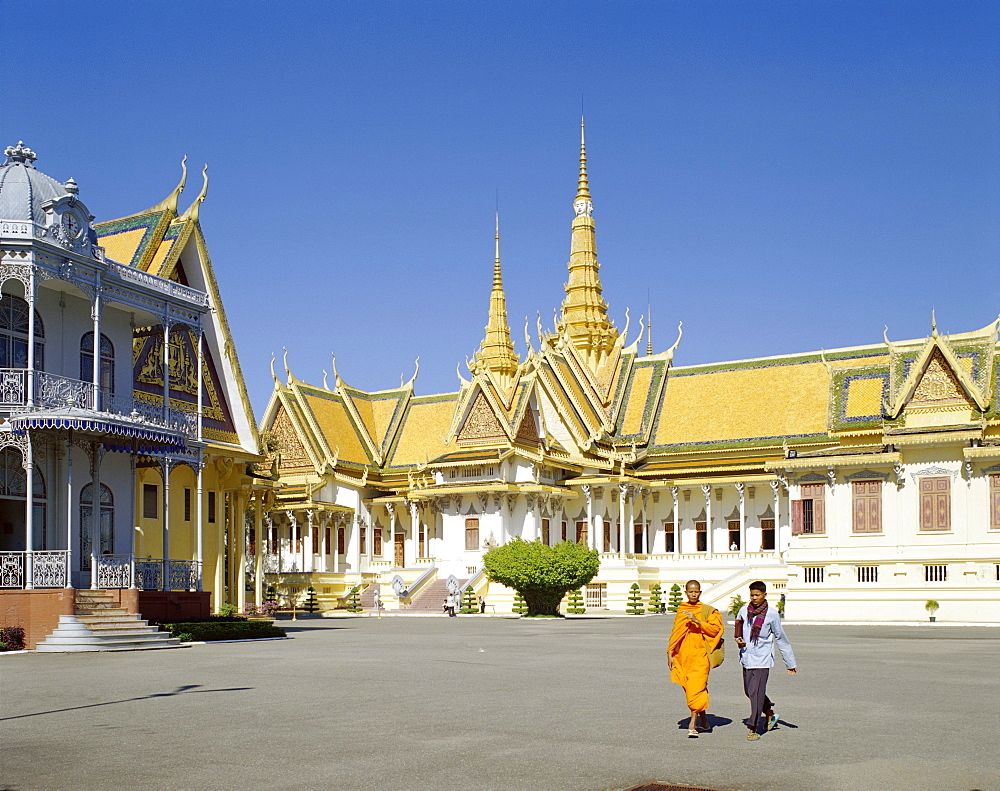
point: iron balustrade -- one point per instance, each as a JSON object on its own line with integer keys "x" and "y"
{"x": 52, "y": 391}
{"x": 46, "y": 568}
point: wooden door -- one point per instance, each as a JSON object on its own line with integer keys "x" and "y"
{"x": 399, "y": 557}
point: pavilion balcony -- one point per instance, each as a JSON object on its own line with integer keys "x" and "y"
{"x": 50, "y": 568}
{"x": 48, "y": 398}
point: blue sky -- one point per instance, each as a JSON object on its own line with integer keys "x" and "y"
{"x": 781, "y": 176}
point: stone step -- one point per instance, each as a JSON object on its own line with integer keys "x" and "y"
{"x": 79, "y": 633}
{"x": 96, "y": 615}
{"x": 119, "y": 646}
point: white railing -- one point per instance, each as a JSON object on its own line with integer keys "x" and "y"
{"x": 160, "y": 284}
{"x": 115, "y": 571}
{"x": 150, "y": 574}
{"x": 47, "y": 568}
{"x": 52, "y": 391}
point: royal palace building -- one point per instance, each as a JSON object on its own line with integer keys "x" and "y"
{"x": 127, "y": 440}
{"x": 859, "y": 482}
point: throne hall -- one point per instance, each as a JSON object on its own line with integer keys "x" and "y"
{"x": 858, "y": 482}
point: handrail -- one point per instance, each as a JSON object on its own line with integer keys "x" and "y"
{"x": 415, "y": 586}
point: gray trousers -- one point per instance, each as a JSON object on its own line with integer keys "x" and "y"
{"x": 755, "y": 687}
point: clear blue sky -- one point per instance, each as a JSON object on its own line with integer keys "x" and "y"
{"x": 781, "y": 176}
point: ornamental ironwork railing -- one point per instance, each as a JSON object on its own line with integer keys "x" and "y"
{"x": 115, "y": 571}
{"x": 52, "y": 391}
{"x": 46, "y": 568}
{"x": 184, "y": 575}
{"x": 159, "y": 283}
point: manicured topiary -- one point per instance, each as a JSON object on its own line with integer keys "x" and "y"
{"x": 470, "y": 604}
{"x": 543, "y": 575}
{"x": 655, "y": 598}
{"x": 205, "y": 631}
{"x": 11, "y": 638}
{"x": 635, "y": 601}
{"x": 311, "y": 603}
{"x": 354, "y": 602}
{"x": 675, "y": 598}
{"x": 574, "y": 602}
{"x": 519, "y": 606}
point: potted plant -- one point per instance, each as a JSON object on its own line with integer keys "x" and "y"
{"x": 932, "y": 607}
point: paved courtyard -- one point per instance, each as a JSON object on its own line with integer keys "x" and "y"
{"x": 489, "y": 703}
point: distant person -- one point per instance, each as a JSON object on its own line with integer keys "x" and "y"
{"x": 734, "y": 547}
{"x": 452, "y": 604}
{"x": 757, "y": 656}
{"x": 697, "y": 631}
{"x": 482, "y": 605}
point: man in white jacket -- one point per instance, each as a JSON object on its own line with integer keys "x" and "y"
{"x": 757, "y": 655}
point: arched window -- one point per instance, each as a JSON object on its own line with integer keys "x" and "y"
{"x": 107, "y": 517}
{"x": 107, "y": 380}
{"x": 14, "y": 334}
{"x": 13, "y": 487}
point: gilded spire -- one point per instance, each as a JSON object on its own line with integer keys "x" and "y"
{"x": 584, "y": 312}
{"x": 496, "y": 352}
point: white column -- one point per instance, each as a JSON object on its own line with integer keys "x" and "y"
{"x": 95, "y": 516}
{"x": 674, "y": 492}
{"x": 131, "y": 516}
{"x": 776, "y": 491}
{"x": 30, "y": 295}
{"x": 741, "y": 489}
{"x": 240, "y": 529}
{"x": 630, "y": 532}
{"x": 96, "y": 316}
{"x": 198, "y": 515}
{"x": 308, "y": 557}
{"x": 324, "y": 521}
{"x": 335, "y": 542}
{"x": 415, "y": 527}
{"x": 166, "y": 370}
{"x": 590, "y": 515}
{"x": 707, "y": 491}
{"x": 622, "y": 490}
{"x": 201, "y": 363}
{"x": 69, "y": 507}
{"x": 28, "y": 462}
{"x": 165, "y": 468}
{"x": 258, "y": 559}
{"x": 599, "y": 524}
{"x": 357, "y": 525}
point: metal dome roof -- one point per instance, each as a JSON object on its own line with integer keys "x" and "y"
{"x": 23, "y": 189}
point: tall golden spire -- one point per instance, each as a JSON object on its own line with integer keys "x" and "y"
{"x": 584, "y": 318}
{"x": 496, "y": 352}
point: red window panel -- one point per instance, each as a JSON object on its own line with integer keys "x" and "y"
{"x": 816, "y": 493}
{"x": 363, "y": 536}
{"x": 935, "y": 503}
{"x": 377, "y": 541}
{"x": 545, "y": 531}
{"x": 326, "y": 541}
{"x": 471, "y": 534}
{"x": 797, "y": 517}
{"x": 995, "y": 502}
{"x": 297, "y": 538}
{"x": 581, "y": 532}
{"x": 565, "y": 534}
{"x": 315, "y": 534}
{"x": 341, "y": 536}
{"x": 867, "y": 506}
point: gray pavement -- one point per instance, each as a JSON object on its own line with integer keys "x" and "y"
{"x": 489, "y": 703}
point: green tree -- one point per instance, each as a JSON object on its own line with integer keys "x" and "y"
{"x": 574, "y": 602}
{"x": 675, "y": 598}
{"x": 543, "y": 575}
{"x": 470, "y": 604}
{"x": 354, "y": 603}
{"x": 735, "y": 605}
{"x": 635, "y": 601}
{"x": 655, "y": 598}
{"x": 311, "y": 603}
{"x": 519, "y": 606}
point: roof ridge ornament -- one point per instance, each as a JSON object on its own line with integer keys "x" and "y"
{"x": 20, "y": 153}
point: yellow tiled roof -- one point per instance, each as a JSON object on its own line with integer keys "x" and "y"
{"x": 744, "y": 403}
{"x": 122, "y": 246}
{"x": 638, "y": 395}
{"x": 424, "y": 432}
{"x": 864, "y": 397}
{"x": 337, "y": 428}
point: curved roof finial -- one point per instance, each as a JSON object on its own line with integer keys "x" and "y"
{"x": 325, "y": 385}
{"x": 169, "y": 203}
{"x": 337, "y": 381}
{"x": 272, "y": 368}
{"x": 527, "y": 337}
{"x": 288, "y": 370}
{"x": 193, "y": 209}
{"x": 415, "y": 372}
{"x": 934, "y": 329}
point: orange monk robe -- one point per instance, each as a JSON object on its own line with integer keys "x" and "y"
{"x": 690, "y": 645}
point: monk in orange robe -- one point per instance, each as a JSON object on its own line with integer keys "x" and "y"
{"x": 693, "y": 638}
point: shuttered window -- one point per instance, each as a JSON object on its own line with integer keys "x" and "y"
{"x": 995, "y": 502}
{"x": 867, "y": 505}
{"x": 471, "y": 534}
{"x": 545, "y": 531}
{"x": 935, "y": 503}
{"x": 808, "y": 513}
{"x": 581, "y": 532}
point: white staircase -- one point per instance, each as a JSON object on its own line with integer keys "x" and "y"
{"x": 101, "y": 626}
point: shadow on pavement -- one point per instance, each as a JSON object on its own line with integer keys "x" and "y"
{"x": 184, "y": 690}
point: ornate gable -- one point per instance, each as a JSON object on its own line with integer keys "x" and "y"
{"x": 288, "y": 445}
{"x": 482, "y": 425}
